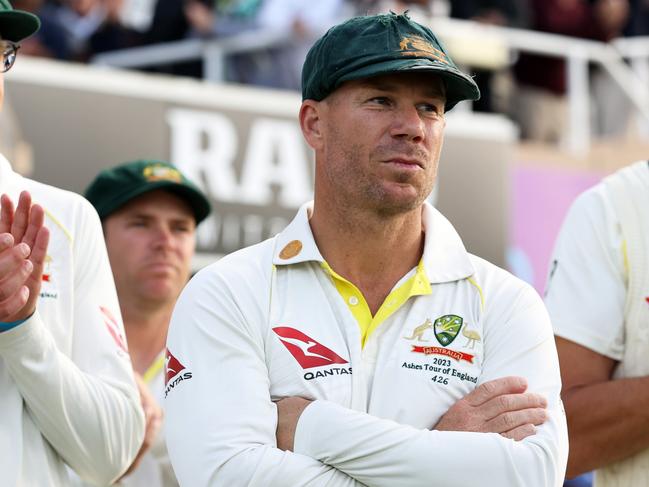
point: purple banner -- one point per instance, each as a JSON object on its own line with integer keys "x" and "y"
{"x": 541, "y": 197}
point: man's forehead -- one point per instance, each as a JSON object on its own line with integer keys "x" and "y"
{"x": 159, "y": 201}
{"x": 427, "y": 83}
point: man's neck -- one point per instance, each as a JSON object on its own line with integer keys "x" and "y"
{"x": 372, "y": 251}
{"x": 146, "y": 333}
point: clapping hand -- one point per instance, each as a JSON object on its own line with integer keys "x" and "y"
{"x": 23, "y": 248}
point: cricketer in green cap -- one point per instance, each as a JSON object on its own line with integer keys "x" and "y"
{"x": 364, "y": 47}
{"x": 116, "y": 186}
{"x": 371, "y": 269}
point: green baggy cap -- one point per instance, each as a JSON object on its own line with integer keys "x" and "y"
{"x": 363, "y": 47}
{"x": 15, "y": 25}
{"x": 114, "y": 187}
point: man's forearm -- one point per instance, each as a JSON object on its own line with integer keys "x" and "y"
{"x": 607, "y": 422}
{"x": 93, "y": 423}
{"x": 380, "y": 452}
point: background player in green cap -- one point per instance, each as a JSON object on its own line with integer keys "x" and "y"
{"x": 149, "y": 211}
{"x": 68, "y": 397}
{"x": 363, "y": 345}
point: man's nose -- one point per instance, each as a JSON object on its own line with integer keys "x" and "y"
{"x": 408, "y": 124}
{"x": 163, "y": 237}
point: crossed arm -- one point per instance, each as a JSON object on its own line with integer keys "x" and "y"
{"x": 499, "y": 406}
{"x": 223, "y": 428}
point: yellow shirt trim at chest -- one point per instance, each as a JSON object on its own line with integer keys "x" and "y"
{"x": 154, "y": 369}
{"x": 416, "y": 285}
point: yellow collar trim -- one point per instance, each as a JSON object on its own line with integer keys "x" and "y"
{"x": 154, "y": 368}
{"x": 416, "y": 285}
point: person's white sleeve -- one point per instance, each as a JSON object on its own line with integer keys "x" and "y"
{"x": 220, "y": 420}
{"x": 586, "y": 289}
{"x": 86, "y": 405}
{"x": 378, "y": 452}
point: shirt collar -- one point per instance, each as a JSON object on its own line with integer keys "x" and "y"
{"x": 295, "y": 243}
{"x": 445, "y": 259}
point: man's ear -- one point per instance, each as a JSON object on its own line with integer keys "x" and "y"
{"x": 311, "y": 122}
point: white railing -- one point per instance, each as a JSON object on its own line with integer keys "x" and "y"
{"x": 636, "y": 51}
{"x": 213, "y": 53}
{"x": 578, "y": 53}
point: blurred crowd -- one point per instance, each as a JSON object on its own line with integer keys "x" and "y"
{"x": 79, "y": 29}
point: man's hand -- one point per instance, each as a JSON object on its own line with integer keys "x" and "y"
{"x": 23, "y": 248}
{"x": 153, "y": 419}
{"x": 289, "y": 410}
{"x": 498, "y": 406}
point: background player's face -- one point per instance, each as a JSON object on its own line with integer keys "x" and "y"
{"x": 381, "y": 141}
{"x": 150, "y": 244}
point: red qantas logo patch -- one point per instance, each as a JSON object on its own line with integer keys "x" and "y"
{"x": 113, "y": 328}
{"x": 172, "y": 366}
{"x": 305, "y": 349}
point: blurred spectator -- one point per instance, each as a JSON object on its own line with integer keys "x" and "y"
{"x": 69, "y": 25}
{"x": 638, "y": 24}
{"x": 112, "y": 33}
{"x": 225, "y": 18}
{"x": 506, "y": 13}
{"x": 512, "y": 13}
{"x": 306, "y": 20}
{"x": 76, "y": 29}
{"x": 137, "y": 15}
{"x": 174, "y": 20}
{"x": 541, "y": 109}
{"x": 278, "y": 66}
{"x": 222, "y": 17}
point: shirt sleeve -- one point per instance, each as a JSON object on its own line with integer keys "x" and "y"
{"x": 586, "y": 289}
{"x": 220, "y": 420}
{"x": 378, "y": 452}
{"x": 86, "y": 405}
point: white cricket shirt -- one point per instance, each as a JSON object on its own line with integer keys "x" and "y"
{"x": 586, "y": 288}
{"x": 269, "y": 322}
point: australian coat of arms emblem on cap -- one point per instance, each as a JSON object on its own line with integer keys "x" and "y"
{"x": 158, "y": 172}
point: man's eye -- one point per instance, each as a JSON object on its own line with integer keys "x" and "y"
{"x": 428, "y": 107}
{"x": 380, "y": 100}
